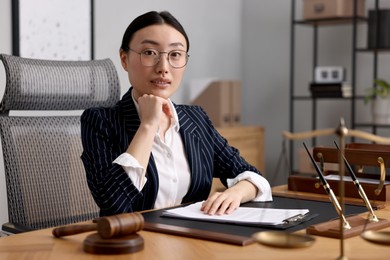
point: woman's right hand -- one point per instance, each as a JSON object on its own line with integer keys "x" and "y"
{"x": 152, "y": 109}
{"x": 151, "y": 112}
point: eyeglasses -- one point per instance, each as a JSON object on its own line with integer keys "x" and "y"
{"x": 150, "y": 57}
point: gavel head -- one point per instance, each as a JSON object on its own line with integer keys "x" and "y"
{"x": 120, "y": 225}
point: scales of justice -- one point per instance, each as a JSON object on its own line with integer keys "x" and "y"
{"x": 369, "y": 228}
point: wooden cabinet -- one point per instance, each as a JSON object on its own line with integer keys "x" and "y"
{"x": 250, "y": 141}
{"x": 221, "y": 100}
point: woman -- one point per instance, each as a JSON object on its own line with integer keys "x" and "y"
{"x": 147, "y": 152}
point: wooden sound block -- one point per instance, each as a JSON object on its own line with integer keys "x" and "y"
{"x": 95, "y": 244}
{"x": 358, "y": 225}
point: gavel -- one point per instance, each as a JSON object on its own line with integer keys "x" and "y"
{"x": 107, "y": 227}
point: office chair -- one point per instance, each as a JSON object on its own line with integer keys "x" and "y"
{"x": 45, "y": 177}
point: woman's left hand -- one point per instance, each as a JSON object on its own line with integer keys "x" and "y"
{"x": 226, "y": 202}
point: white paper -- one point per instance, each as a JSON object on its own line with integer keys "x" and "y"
{"x": 244, "y": 215}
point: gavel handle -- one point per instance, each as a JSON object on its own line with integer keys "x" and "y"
{"x": 73, "y": 229}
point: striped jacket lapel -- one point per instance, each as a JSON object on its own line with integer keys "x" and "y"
{"x": 193, "y": 147}
{"x": 132, "y": 122}
{"x": 130, "y": 114}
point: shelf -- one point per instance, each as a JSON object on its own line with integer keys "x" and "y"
{"x": 370, "y": 50}
{"x": 302, "y": 98}
{"x": 355, "y": 24}
{"x": 308, "y": 98}
{"x": 317, "y": 98}
{"x": 371, "y": 125}
{"x": 331, "y": 21}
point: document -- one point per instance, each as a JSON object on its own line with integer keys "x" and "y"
{"x": 242, "y": 215}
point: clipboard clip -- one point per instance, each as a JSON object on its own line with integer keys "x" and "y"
{"x": 296, "y": 218}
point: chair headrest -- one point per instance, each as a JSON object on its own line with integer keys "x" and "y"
{"x": 34, "y": 84}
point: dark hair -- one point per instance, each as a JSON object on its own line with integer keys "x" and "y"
{"x": 151, "y": 18}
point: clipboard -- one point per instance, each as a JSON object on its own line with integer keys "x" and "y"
{"x": 274, "y": 218}
{"x": 241, "y": 235}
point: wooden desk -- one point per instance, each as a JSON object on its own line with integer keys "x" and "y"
{"x": 42, "y": 245}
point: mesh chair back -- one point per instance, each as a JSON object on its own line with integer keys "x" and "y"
{"x": 58, "y": 85}
{"x": 45, "y": 178}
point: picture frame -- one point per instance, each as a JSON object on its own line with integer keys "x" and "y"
{"x": 53, "y": 29}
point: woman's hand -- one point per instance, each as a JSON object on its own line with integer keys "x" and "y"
{"x": 152, "y": 108}
{"x": 226, "y": 202}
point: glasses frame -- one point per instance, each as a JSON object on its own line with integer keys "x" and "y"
{"x": 159, "y": 57}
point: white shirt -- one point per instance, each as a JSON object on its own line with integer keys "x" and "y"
{"x": 173, "y": 168}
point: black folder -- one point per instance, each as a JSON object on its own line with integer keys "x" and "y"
{"x": 242, "y": 234}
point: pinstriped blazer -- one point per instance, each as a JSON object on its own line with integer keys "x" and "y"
{"x": 107, "y": 132}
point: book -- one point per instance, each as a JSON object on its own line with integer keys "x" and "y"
{"x": 378, "y": 35}
{"x": 332, "y": 94}
{"x": 242, "y": 215}
{"x": 330, "y": 90}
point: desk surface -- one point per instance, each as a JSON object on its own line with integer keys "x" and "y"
{"x": 42, "y": 245}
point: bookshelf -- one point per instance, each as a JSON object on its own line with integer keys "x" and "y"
{"x": 353, "y": 22}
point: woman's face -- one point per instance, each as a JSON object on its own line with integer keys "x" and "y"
{"x": 161, "y": 79}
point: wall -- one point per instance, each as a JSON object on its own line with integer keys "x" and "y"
{"x": 265, "y": 35}
{"x": 215, "y": 45}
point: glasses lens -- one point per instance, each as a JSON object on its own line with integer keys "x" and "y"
{"x": 177, "y": 58}
{"x": 149, "y": 57}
